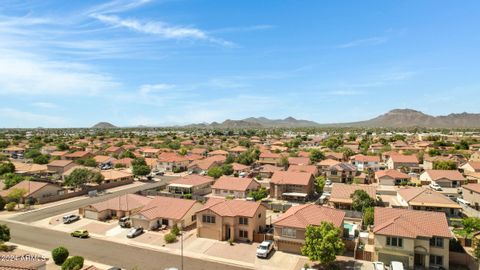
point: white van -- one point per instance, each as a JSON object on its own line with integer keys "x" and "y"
{"x": 396, "y": 266}
{"x": 463, "y": 202}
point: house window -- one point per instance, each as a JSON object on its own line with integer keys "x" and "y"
{"x": 194, "y": 217}
{"x": 289, "y": 232}
{"x": 436, "y": 260}
{"x": 436, "y": 242}
{"x": 243, "y": 221}
{"x": 394, "y": 242}
{"x": 243, "y": 234}
{"x": 260, "y": 215}
{"x": 208, "y": 219}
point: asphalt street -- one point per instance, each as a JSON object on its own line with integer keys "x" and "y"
{"x": 107, "y": 252}
{"x": 74, "y": 205}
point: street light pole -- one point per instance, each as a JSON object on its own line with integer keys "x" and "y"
{"x": 181, "y": 247}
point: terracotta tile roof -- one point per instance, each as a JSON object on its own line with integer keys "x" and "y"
{"x": 270, "y": 168}
{"x": 364, "y": 158}
{"x": 328, "y": 162}
{"x": 472, "y": 187}
{"x": 425, "y": 197}
{"x": 167, "y": 208}
{"x": 268, "y": 154}
{"x": 198, "y": 151}
{"x": 475, "y": 165}
{"x": 60, "y": 163}
{"x": 298, "y": 160}
{"x": 342, "y": 167}
{"x": 21, "y": 167}
{"x": 208, "y": 162}
{"x": 300, "y": 216}
{"x": 113, "y": 149}
{"x": 102, "y": 159}
{"x": 30, "y": 186}
{"x": 335, "y": 155}
{"x": 391, "y": 173}
{"x": 231, "y": 208}
{"x": 115, "y": 174}
{"x": 171, "y": 157}
{"x": 193, "y": 157}
{"x": 218, "y": 152}
{"x": 398, "y": 158}
{"x": 126, "y": 202}
{"x": 239, "y": 149}
{"x": 234, "y": 183}
{"x": 193, "y": 180}
{"x": 239, "y": 167}
{"x": 126, "y": 161}
{"x": 291, "y": 178}
{"x": 410, "y": 223}
{"x": 452, "y": 175}
{"x": 303, "y": 168}
{"x": 77, "y": 154}
{"x": 342, "y": 192}
{"x": 58, "y": 153}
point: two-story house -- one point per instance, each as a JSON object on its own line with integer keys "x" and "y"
{"x": 415, "y": 238}
{"x": 341, "y": 173}
{"x": 235, "y": 220}
{"x": 287, "y": 185}
{"x": 236, "y": 187}
{"x": 290, "y": 227}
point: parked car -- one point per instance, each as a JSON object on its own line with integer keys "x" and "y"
{"x": 70, "y": 218}
{"x": 324, "y": 198}
{"x": 134, "y": 232}
{"x": 80, "y": 234}
{"x": 160, "y": 173}
{"x": 396, "y": 266}
{"x": 435, "y": 186}
{"x": 125, "y": 222}
{"x": 378, "y": 266}
{"x": 264, "y": 249}
{"x": 463, "y": 202}
{"x": 328, "y": 182}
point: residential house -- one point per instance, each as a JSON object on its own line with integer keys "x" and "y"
{"x": 60, "y": 166}
{"x": 14, "y": 151}
{"x": 203, "y": 165}
{"x": 428, "y": 200}
{"x": 218, "y": 153}
{"x": 415, "y": 238}
{"x": 228, "y": 186}
{"x": 363, "y": 162}
{"x": 296, "y": 186}
{"x": 271, "y": 158}
{"x": 114, "y": 150}
{"x": 118, "y": 207}
{"x": 391, "y": 177}
{"x": 77, "y": 155}
{"x": 475, "y": 156}
{"x": 238, "y": 150}
{"x": 101, "y": 160}
{"x": 444, "y": 178}
{"x": 240, "y": 168}
{"x": 172, "y": 162}
{"x": 304, "y": 168}
{"x": 266, "y": 171}
{"x": 334, "y": 156}
{"x": 429, "y": 162}
{"x": 326, "y": 163}
{"x": 341, "y": 194}
{"x": 299, "y": 161}
{"x": 116, "y": 176}
{"x": 35, "y": 191}
{"x": 167, "y": 211}
{"x": 234, "y": 220}
{"x": 341, "y": 173}
{"x": 191, "y": 184}
{"x": 290, "y": 227}
{"x": 405, "y": 162}
{"x": 471, "y": 167}
{"x": 471, "y": 193}
{"x": 149, "y": 152}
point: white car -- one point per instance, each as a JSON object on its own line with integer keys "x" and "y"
{"x": 328, "y": 182}
{"x": 378, "y": 266}
{"x": 264, "y": 249}
{"x": 435, "y": 186}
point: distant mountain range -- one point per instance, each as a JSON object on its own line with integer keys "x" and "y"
{"x": 103, "y": 125}
{"x": 397, "y": 118}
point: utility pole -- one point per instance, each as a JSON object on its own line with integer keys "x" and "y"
{"x": 181, "y": 247}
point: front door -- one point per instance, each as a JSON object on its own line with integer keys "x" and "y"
{"x": 419, "y": 259}
{"x": 227, "y": 232}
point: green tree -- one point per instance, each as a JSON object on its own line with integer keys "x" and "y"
{"x": 361, "y": 200}
{"x": 283, "y": 162}
{"x": 17, "y": 194}
{"x": 11, "y": 179}
{"x": 476, "y": 251}
{"x": 42, "y": 159}
{"x": 73, "y": 263}
{"x": 4, "y": 144}
{"x": 81, "y": 176}
{"x": 140, "y": 167}
{"x": 127, "y": 154}
{"x": 62, "y": 146}
{"x": 471, "y": 224}
{"x": 7, "y": 168}
{"x": 258, "y": 194}
{"x": 227, "y": 169}
{"x": 444, "y": 165}
{"x": 323, "y": 243}
{"x": 4, "y": 233}
{"x": 215, "y": 172}
{"x": 316, "y": 155}
{"x": 463, "y": 145}
{"x": 319, "y": 184}
{"x": 90, "y": 162}
{"x": 183, "y": 151}
{"x": 33, "y": 153}
{"x": 59, "y": 255}
{"x": 368, "y": 216}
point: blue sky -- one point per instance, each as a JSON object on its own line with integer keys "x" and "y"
{"x": 161, "y": 62}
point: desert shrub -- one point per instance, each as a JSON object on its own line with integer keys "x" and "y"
{"x": 73, "y": 263}
{"x": 169, "y": 238}
{"x": 10, "y": 206}
{"x": 59, "y": 255}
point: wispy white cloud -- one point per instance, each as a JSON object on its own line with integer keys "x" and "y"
{"x": 30, "y": 74}
{"x": 117, "y": 6}
{"x": 28, "y": 119}
{"x": 45, "y": 105}
{"x": 373, "y": 41}
{"x": 148, "y": 89}
{"x": 161, "y": 29}
{"x": 258, "y": 27}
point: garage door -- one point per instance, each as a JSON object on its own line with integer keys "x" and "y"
{"x": 291, "y": 247}
{"x": 91, "y": 214}
{"x": 209, "y": 233}
{"x": 388, "y": 258}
